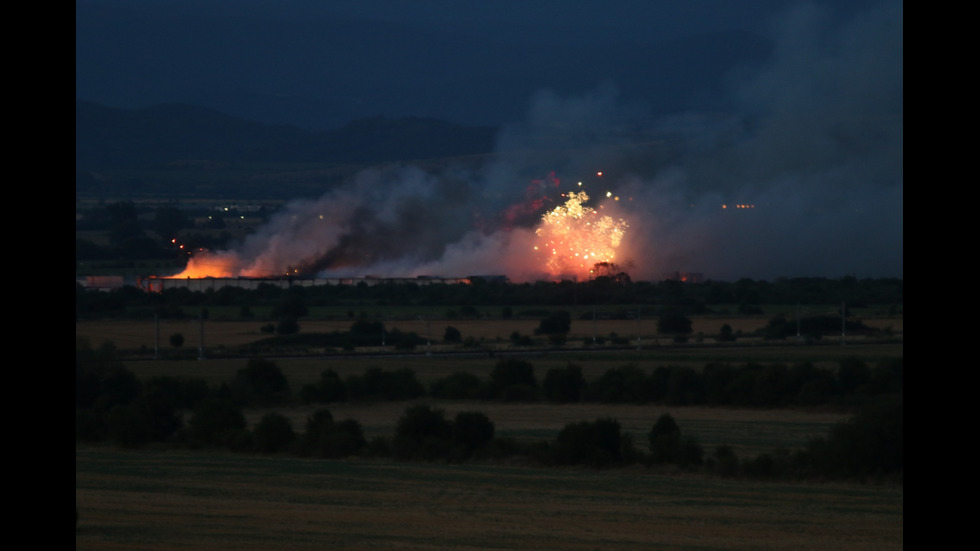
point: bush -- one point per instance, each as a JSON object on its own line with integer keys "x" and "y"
{"x": 422, "y": 433}
{"x": 273, "y": 433}
{"x": 176, "y": 340}
{"x": 627, "y": 384}
{"x": 557, "y": 323}
{"x": 597, "y": 444}
{"x": 213, "y": 420}
{"x": 328, "y": 389}
{"x": 378, "y": 384}
{"x": 513, "y": 377}
{"x": 668, "y": 445}
{"x": 102, "y": 386}
{"x": 564, "y": 385}
{"x": 287, "y": 326}
{"x": 452, "y": 335}
{"x": 260, "y": 382}
{"x": 178, "y": 392}
{"x": 460, "y": 385}
{"x": 326, "y": 438}
{"x": 472, "y": 431}
{"x": 665, "y": 440}
{"x": 725, "y": 461}
{"x": 126, "y": 426}
{"x": 870, "y": 444}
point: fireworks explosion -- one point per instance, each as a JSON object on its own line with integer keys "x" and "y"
{"x": 574, "y": 238}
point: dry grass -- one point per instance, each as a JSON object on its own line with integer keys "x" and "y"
{"x": 167, "y": 500}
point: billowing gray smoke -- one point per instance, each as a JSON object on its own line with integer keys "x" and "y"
{"x": 813, "y": 148}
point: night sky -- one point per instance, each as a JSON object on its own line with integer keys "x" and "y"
{"x": 794, "y": 108}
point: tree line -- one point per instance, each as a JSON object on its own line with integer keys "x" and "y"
{"x": 490, "y": 298}
{"x": 113, "y": 405}
{"x": 752, "y": 384}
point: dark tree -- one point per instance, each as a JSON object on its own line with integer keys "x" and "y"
{"x": 260, "y": 382}
{"x": 452, "y": 335}
{"x": 513, "y": 379}
{"x": 564, "y": 385}
{"x": 273, "y": 433}
{"x": 725, "y": 461}
{"x": 460, "y": 385}
{"x": 214, "y": 419}
{"x": 293, "y": 305}
{"x": 665, "y": 440}
{"x": 674, "y": 322}
{"x": 596, "y": 444}
{"x": 177, "y": 340}
{"x": 422, "y": 432}
{"x": 330, "y": 388}
{"x": 557, "y": 323}
{"x": 326, "y": 438}
{"x": 472, "y": 430}
{"x": 287, "y": 326}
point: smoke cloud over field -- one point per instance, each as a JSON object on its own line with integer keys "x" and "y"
{"x": 803, "y": 176}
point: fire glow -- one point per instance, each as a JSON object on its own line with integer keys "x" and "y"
{"x": 380, "y": 234}
{"x": 573, "y": 237}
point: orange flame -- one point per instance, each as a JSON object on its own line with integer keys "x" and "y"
{"x": 573, "y": 237}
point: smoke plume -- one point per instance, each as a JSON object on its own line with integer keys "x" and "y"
{"x": 802, "y": 177}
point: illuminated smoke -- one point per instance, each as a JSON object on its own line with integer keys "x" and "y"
{"x": 813, "y": 141}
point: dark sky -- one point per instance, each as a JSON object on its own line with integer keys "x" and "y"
{"x": 795, "y": 108}
{"x": 320, "y": 64}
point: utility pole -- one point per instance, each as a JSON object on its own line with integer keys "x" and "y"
{"x": 593, "y": 325}
{"x": 797, "y": 321}
{"x": 200, "y": 348}
{"x": 638, "y": 345}
{"x": 843, "y": 310}
{"x": 156, "y": 348}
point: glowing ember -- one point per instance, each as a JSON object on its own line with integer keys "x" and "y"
{"x": 576, "y": 237}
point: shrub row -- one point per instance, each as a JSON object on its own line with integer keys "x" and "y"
{"x": 718, "y": 384}
{"x": 113, "y": 405}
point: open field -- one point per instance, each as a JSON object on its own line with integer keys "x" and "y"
{"x": 155, "y": 500}
{"x": 427, "y": 368}
{"x": 160, "y": 498}
{"x": 129, "y": 334}
{"x": 148, "y": 335}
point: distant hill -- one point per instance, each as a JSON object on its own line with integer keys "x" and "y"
{"x": 109, "y": 138}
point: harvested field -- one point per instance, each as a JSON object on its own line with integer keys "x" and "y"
{"x": 155, "y": 500}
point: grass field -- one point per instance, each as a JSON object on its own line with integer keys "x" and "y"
{"x": 154, "y": 500}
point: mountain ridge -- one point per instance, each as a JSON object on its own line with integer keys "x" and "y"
{"x": 117, "y": 138}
